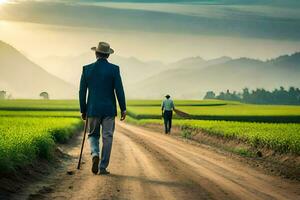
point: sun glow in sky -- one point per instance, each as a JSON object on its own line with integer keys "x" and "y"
{"x": 152, "y": 31}
{"x": 3, "y": 1}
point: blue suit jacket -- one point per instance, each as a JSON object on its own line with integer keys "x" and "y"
{"x": 103, "y": 82}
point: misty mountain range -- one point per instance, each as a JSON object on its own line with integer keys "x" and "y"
{"x": 22, "y": 78}
{"x": 194, "y": 79}
{"x": 187, "y": 78}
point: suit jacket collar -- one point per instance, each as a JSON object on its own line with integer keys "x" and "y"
{"x": 102, "y": 60}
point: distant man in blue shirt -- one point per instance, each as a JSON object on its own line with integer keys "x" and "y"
{"x": 103, "y": 83}
{"x": 167, "y": 113}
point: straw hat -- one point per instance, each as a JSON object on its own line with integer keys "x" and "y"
{"x": 103, "y": 47}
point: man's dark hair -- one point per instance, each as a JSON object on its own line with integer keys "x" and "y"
{"x": 101, "y": 55}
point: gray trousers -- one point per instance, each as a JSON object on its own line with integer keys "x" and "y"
{"x": 107, "y": 124}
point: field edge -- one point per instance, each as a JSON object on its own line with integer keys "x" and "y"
{"x": 286, "y": 165}
{"x": 25, "y": 179}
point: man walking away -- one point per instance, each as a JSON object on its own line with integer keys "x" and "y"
{"x": 167, "y": 113}
{"x": 103, "y": 82}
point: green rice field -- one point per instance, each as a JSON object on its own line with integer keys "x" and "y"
{"x": 281, "y": 137}
{"x": 41, "y": 105}
{"x": 181, "y": 103}
{"x": 25, "y": 139}
{"x": 222, "y": 111}
{"x": 244, "y": 122}
{"x": 13, "y": 113}
{"x": 29, "y": 129}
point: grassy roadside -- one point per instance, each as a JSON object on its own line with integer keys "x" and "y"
{"x": 30, "y": 128}
{"x": 279, "y": 163}
{"x": 283, "y": 138}
{"x": 23, "y": 140}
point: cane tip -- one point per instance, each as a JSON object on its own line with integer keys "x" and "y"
{"x": 70, "y": 172}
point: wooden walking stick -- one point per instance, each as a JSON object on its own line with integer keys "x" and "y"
{"x": 82, "y": 145}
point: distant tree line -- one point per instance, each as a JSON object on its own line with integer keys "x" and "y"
{"x": 2, "y": 94}
{"x": 44, "y": 95}
{"x": 5, "y": 95}
{"x": 260, "y": 96}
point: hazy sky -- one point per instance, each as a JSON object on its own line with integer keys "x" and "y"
{"x": 160, "y": 30}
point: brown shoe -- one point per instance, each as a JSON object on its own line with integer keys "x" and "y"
{"x": 95, "y": 165}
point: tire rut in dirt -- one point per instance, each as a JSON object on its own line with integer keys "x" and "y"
{"x": 183, "y": 185}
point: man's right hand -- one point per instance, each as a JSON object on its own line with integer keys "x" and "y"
{"x": 83, "y": 116}
{"x": 123, "y": 115}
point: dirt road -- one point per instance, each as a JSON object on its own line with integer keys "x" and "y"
{"x": 149, "y": 165}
